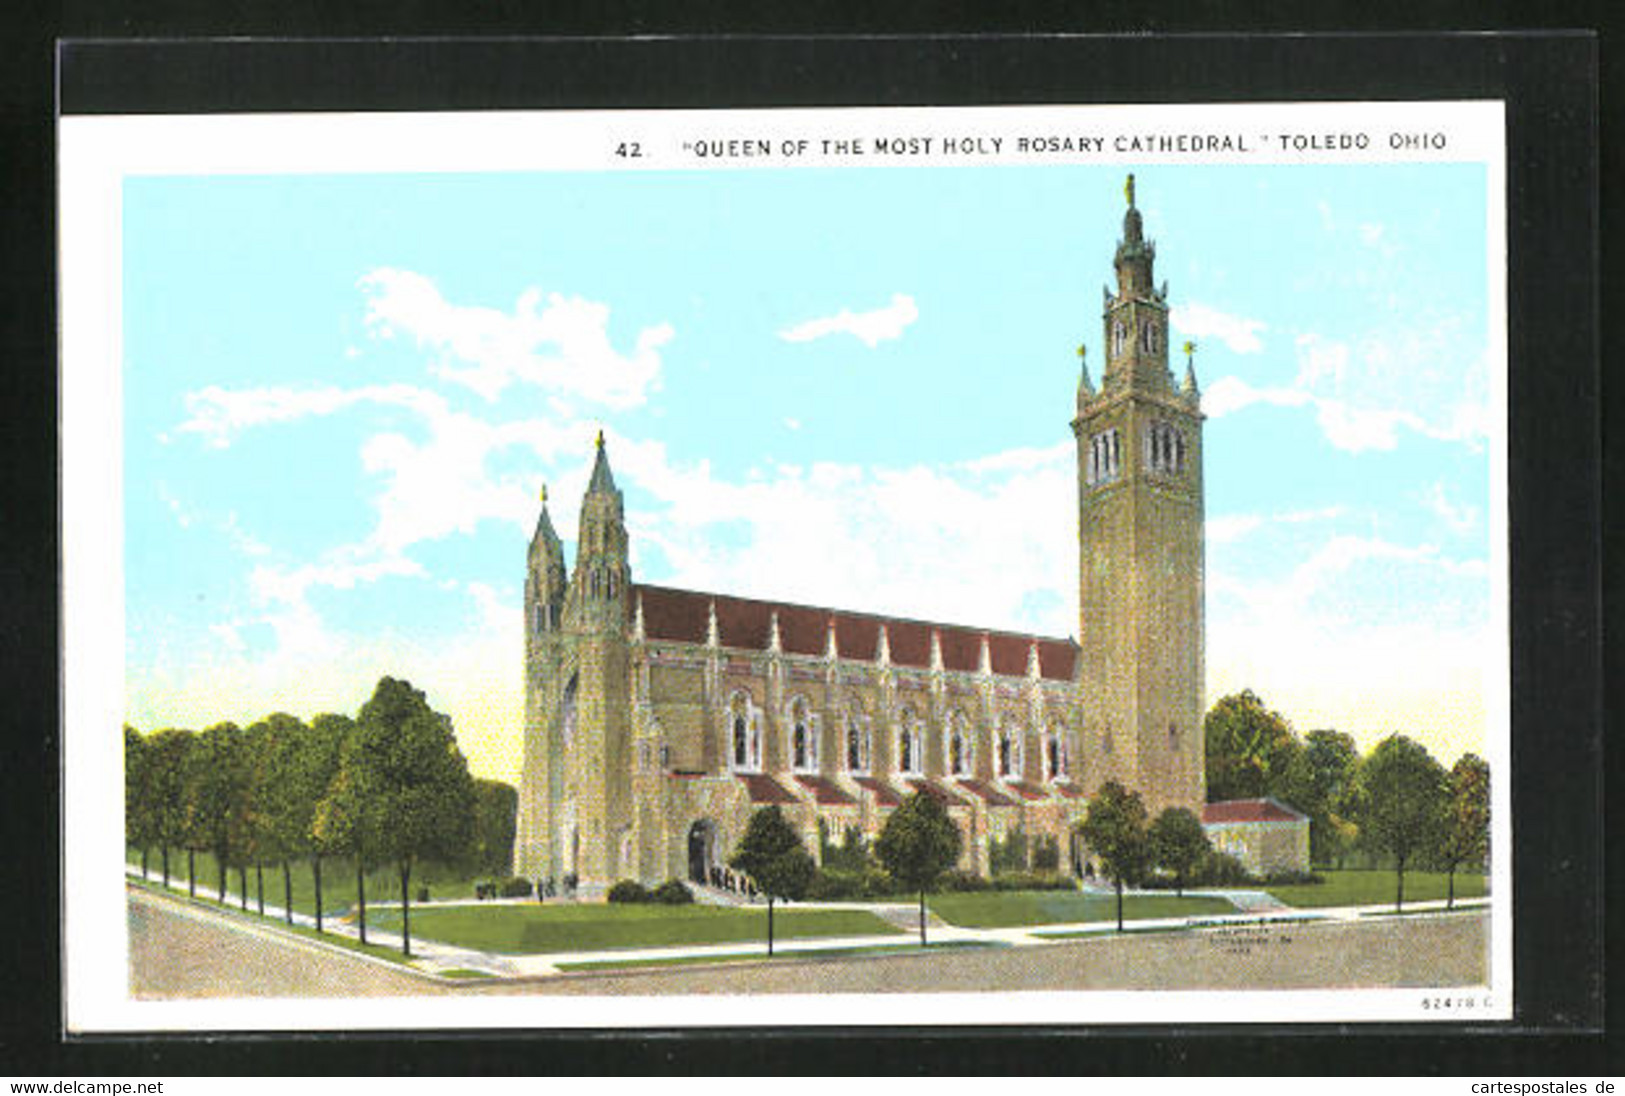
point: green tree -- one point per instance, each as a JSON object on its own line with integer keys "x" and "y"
{"x": 1334, "y": 764}
{"x": 166, "y": 775}
{"x": 218, "y": 794}
{"x": 315, "y": 768}
{"x": 1403, "y": 797}
{"x": 917, "y": 844}
{"x": 416, "y": 798}
{"x": 339, "y": 826}
{"x": 1115, "y": 829}
{"x": 138, "y": 806}
{"x": 1465, "y": 829}
{"x": 1247, "y": 747}
{"x": 496, "y": 806}
{"x": 772, "y": 856}
{"x": 1177, "y": 844}
{"x": 283, "y": 802}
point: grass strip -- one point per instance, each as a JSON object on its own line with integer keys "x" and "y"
{"x": 807, "y": 953}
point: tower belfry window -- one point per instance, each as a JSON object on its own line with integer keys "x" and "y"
{"x": 1119, "y": 336}
{"x": 1165, "y": 449}
{"x": 1105, "y": 457}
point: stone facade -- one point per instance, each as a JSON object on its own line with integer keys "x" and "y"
{"x": 1266, "y": 835}
{"x": 657, "y": 719}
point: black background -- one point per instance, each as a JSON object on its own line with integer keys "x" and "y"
{"x": 1550, "y": 82}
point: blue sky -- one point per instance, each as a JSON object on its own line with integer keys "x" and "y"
{"x": 843, "y": 386}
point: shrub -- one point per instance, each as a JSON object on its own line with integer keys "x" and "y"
{"x": 1047, "y": 854}
{"x": 1032, "y": 880}
{"x": 672, "y": 893}
{"x": 628, "y": 890}
{"x": 1008, "y": 854}
{"x": 423, "y": 892}
{"x": 965, "y": 881}
{"x": 1219, "y": 869}
{"x": 515, "y": 887}
{"x": 1288, "y": 878}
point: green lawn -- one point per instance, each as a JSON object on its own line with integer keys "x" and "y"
{"x": 534, "y": 929}
{"x": 813, "y": 953}
{"x": 1002, "y": 909}
{"x": 1370, "y": 888}
{"x": 338, "y": 882}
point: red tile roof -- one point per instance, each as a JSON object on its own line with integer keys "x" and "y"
{"x": 826, "y": 792}
{"x": 764, "y": 789}
{"x": 993, "y": 796}
{"x": 1250, "y": 810}
{"x": 885, "y": 794}
{"x": 683, "y": 616}
{"x": 1026, "y": 791}
{"x": 936, "y": 791}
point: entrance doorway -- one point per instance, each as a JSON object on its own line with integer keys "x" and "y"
{"x": 702, "y": 847}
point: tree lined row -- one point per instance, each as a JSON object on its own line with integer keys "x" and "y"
{"x": 387, "y": 788}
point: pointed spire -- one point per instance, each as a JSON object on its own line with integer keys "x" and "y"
{"x": 1190, "y": 389}
{"x": 639, "y": 633}
{"x": 1033, "y": 670}
{"x": 832, "y": 649}
{"x": 1132, "y": 229}
{"x": 883, "y": 648}
{"x": 936, "y": 651}
{"x": 713, "y": 635}
{"x": 1086, "y": 386}
{"x": 774, "y": 643}
{"x": 545, "y": 533}
{"x": 984, "y": 661}
{"x": 602, "y": 482}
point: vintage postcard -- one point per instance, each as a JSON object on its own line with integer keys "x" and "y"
{"x": 733, "y": 567}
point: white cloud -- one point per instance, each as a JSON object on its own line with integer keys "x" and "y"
{"x": 220, "y": 414}
{"x": 1198, "y": 321}
{"x": 1228, "y": 528}
{"x": 558, "y": 343}
{"x": 871, "y": 328}
{"x": 1460, "y": 518}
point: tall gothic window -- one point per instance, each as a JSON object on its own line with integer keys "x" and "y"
{"x": 1148, "y": 336}
{"x": 1119, "y": 336}
{"x": 803, "y": 737}
{"x": 1009, "y": 746}
{"x": 910, "y": 761}
{"x": 960, "y": 759}
{"x": 744, "y": 735}
{"x": 857, "y": 744}
{"x": 1054, "y": 754}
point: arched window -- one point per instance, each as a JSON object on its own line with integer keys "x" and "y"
{"x": 567, "y": 710}
{"x": 803, "y": 737}
{"x": 961, "y": 761}
{"x": 1148, "y": 336}
{"x": 744, "y": 734}
{"x": 1119, "y": 336}
{"x": 910, "y": 755}
{"x": 857, "y": 743}
{"x": 1055, "y": 754}
{"x": 1104, "y": 457}
{"x": 1165, "y": 449}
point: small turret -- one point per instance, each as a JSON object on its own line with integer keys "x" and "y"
{"x": 1086, "y": 386}
{"x": 1189, "y": 388}
{"x": 544, "y": 575}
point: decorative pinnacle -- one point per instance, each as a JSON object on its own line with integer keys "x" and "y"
{"x": 600, "y": 437}
{"x": 1190, "y": 349}
{"x": 544, "y": 494}
{"x": 1128, "y": 190}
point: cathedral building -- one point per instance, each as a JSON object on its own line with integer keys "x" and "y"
{"x": 658, "y": 719}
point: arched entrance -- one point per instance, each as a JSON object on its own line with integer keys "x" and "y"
{"x": 702, "y": 850}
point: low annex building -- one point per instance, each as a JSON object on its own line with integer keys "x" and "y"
{"x": 658, "y": 719}
{"x": 1266, "y": 835}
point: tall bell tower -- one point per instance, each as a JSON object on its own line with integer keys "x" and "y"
{"x": 1140, "y": 573}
